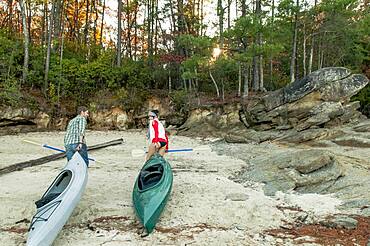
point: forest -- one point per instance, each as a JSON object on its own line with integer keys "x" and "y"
{"x": 55, "y": 52}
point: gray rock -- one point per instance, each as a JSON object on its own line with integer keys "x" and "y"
{"x": 237, "y": 197}
{"x": 362, "y": 127}
{"x": 340, "y": 221}
{"x": 342, "y": 90}
{"x": 300, "y": 88}
{"x": 321, "y": 114}
{"x": 320, "y": 99}
{"x": 305, "y": 171}
{"x": 353, "y": 141}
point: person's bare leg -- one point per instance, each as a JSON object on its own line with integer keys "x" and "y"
{"x": 162, "y": 150}
{"x": 152, "y": 149}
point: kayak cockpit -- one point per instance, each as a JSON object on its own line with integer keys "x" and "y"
{"x": 59, "y": 185}
{"x": 150, "y": 176}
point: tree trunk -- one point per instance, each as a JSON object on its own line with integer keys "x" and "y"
{"x": 311, "y": 55}
{"x": 310, "y": 61}
{"x": 294, "y": 46}
{"x": 87, "y": 23}
{"x": 95, "y": 21}
{"x": 239, "y": 79}
{"x": 150, "y": 31}
{"x": 10, "y": 14}
{"x": 102, "y": 25}
{"x": 261, "y": 82}
{"x": 220, "y": 13}
{"x": 57, "y": 23}
{"x": 256, "y": 57}
{"x": 169, "y": 81}
{"x": 214, "y": 83}
{"x": 61, "y": 50}
{"x": 26, "y": 39}
{"x": 228, "y": 14}
{"x": 29, "y": 19}
{"x": 50, "y": 35}
{"x": 119, "y": 33}
{"x": 318, "y": 55}
{"x": 128, "y": 38}
{"x": 135, "y": 38}
{"x": 75, "y": 30}
{"x": 304, "y": 51}
{"x": 201, "y": 17}
{"x": 173, "y": 18}
{"x": 256, "y": 79}
{"x": 156, "y": 28}
{"x": 246, "y": 82}
{"x": 272, "y": 27}
{"x": 244, "y": 8}
{"x": 45, "y": 25}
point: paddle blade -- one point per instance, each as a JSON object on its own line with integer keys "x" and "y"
{"x": 137, "y": 153}
{"x": 31, "y": 142}
{"x": 202, "y": 148}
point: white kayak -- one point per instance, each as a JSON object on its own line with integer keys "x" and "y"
{"x": 58, "y": 202}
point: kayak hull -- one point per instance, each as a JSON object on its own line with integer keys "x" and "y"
{"x": 57, "y": 204}
{"x": 151, "y": 191}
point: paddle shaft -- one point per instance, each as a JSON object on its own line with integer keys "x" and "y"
{"x": 51, "y": 147}
{"x": 178, "y": 150}
{"x": 138, "y": 152}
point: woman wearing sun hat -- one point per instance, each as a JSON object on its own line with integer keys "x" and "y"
{"x": 158, "y": 140}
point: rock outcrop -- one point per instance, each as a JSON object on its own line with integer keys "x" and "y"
{"x": 114, "y": 118}
{"x": 307, "y": 171}
{"x": 23, "y": 116}
{"x": 320, "y": 99}
{"x": 214, "y": 121}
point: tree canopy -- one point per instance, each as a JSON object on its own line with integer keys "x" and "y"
{"x": 64, "y": 50}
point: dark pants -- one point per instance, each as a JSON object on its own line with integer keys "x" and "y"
{"x": 71, "y": 149}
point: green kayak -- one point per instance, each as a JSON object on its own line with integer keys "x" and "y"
{"x": 151, "y": 191}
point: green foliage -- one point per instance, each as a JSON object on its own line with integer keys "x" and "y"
{"x": 179, "y": 99}
{"x": 200, "y": 45}
{"x": 11, "y": 55}
{"x": 10, "y": 92}
{"x": 133, "y": 74}
{"x": 132, "y": 98}
{"x": 225, "y": 69}
{"x": 199, "y": 50}
{"x": 338, "y": 30}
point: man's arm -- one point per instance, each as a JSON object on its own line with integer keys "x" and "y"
{"x": 81, "y": 133}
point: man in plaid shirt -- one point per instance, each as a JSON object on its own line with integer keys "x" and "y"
{"x": 74, "y": 140}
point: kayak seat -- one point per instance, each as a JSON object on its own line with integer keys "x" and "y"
{"x": 150, "y": 179}
{"x": 157, "y": 167}
{"x": 46, "y": 199}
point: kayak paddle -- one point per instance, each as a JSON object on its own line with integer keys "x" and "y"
{"x": 55, "y": 148}
{"x": 141, "y": 152}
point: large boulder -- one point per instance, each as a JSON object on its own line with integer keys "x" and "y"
{"x": 114, "y": 118}
{"x": 14, "y": 115}
{"x": 24, "y": 116}
{"x": 307, "y": 171}
{"x": 318, "y": 100}
{"x": 42, "y": 120}
{"x": 213, "y": 121}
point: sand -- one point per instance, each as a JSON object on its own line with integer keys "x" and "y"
{"x": 206, "y": 206}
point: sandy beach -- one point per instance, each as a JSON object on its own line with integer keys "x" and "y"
{"x": 206, "y": 206}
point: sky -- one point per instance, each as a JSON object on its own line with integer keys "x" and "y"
{"x": 210, "y": 18}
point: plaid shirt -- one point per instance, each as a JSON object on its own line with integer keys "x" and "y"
{"x": 76, "y": 128}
